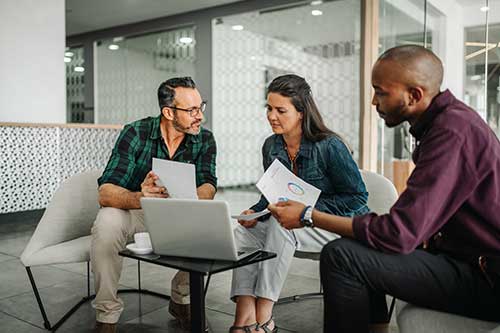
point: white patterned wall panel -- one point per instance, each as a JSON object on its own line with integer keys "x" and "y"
{"x": 29, "y": 168}
{"x": 83, "y": 149}
{"x": 240, "y": 59}
{"x": 35, "y": 161}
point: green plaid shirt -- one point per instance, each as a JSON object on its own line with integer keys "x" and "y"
{"x": 140, "y": 141}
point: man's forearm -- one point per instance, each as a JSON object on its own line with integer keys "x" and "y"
{"x": 333, "y": 223}
{"x": 111, "y": 195}
{"x": 206, "y": 191}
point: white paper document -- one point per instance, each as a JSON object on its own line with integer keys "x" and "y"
{"x": 279, "y": 182}
{"x": 250, "y": 216}
{"x": 179, "y": 178}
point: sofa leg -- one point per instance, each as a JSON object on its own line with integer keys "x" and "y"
{"x": 85, "y": 299}
{"x": 46, "y": 322}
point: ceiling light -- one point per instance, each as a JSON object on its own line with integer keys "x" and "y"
{"x": 484, "y": 9}
{"x": 316, "y": 12}
{"x": 67, "y": 59}
{"x": 316, "y": 2}
{"x": 69, "y": 54}
{"x": 475, "y": 77}
{"x": 79, "y": 69}
{"x": 118, "y": 39}
{"x": 113, "y": 47}
{"x": 237, "y": 27}
{"x": 186, "y": 40}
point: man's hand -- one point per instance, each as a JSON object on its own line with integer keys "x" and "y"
{"x": 149, "y": 188}
{"x": 287, "y": 213}
{"x": 250, "y": 223}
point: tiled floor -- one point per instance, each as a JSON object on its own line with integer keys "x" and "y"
{"x": 61, "y": 286}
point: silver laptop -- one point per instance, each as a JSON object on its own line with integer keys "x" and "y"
{"x": 192, "y": 228}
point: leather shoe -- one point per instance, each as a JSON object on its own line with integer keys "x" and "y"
{"x": 105, "y": 328}
{"x": 181, "y": 312}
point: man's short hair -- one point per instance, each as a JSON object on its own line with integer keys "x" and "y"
{"x": 166, "y": 90}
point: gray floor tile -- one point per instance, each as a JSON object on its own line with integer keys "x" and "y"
{"x": 305, "y": 267}
{"x": 11, "y": 324}
{"x": 61, "y": 297}
{"x": 14, "y": 246}
{"x": 14, "y": 279}
{"x": 4, "y": 257}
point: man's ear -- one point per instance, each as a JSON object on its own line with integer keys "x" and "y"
{"x": 168, "y": 113}
{"x": 415, "y": 94}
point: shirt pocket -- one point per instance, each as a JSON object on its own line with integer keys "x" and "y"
{"x": 314, "y": 176}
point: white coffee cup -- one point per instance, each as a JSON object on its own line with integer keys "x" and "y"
{"x": 142, "y": 240}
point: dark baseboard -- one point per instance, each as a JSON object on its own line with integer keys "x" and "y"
{"x": 25, "y": 217}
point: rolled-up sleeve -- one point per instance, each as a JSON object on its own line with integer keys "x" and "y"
{"x": 440, "y": 183}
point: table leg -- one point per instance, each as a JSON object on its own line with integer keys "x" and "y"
{"x": 197, "y": 302}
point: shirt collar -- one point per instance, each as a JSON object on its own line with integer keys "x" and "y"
{"x": 156, "y": 131}
{"x": 435, "y": 108}
{"x": 305, "y": 147}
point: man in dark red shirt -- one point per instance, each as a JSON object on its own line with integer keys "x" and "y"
{"x": 451, "y": 206}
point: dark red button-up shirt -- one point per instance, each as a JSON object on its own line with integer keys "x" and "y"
{"x": 453, "y": 195}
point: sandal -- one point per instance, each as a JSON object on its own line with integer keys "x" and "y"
{"x": 246, "y": 329}
{"x": 266, "y": 328}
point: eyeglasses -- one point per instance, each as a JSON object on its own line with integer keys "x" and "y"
{"x": 193, "y": 112}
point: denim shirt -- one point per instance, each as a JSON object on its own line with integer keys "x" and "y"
{"x": 329, "y": 166}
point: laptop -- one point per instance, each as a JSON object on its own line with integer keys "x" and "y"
{"x": 192, "y": 228}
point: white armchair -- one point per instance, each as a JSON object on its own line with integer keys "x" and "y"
{"x": 63, "y": 236}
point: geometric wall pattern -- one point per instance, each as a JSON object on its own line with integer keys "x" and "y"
{"x": 35, "y": 160}
{"x": 244, "y": 61}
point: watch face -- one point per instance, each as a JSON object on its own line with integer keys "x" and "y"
{"x": 307, "y": 223}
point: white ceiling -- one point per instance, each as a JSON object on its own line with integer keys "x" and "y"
{"x": 89, "y": 15}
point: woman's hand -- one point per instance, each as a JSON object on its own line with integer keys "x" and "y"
{"x": 250, "y": 223}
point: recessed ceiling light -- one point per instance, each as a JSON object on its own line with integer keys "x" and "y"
{"x": 186, "y": 40}
{"x": 67, "y": 59}
{"x": 69, "y": 54}
{"x": 316, "y": 2}
{"x": 316, "y": 12}
{"x": 113, "y": 47}
{"x": 79, "y": 69}
{"x": 484, "y": 9}
{"x": 475, "y": 77}
{"x": 118, "y": 39}
{"x": 237, "y": 27}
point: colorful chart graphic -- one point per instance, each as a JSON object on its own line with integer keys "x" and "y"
{"x": 295, "y": 189}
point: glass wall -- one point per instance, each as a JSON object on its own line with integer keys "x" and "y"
{"x": 75, "y": 87}
{"x": 482, "y": 66}
{"x": 404, "y": 22}
{"x": 317, "y": 41}
{"x": 130, "y": 69}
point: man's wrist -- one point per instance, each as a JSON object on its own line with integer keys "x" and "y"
{"x": 306, "y": 217}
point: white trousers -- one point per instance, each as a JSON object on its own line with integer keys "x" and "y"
{"x": 266, "y": 279}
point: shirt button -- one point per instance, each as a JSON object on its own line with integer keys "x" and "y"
{"x": 438, "y": 236}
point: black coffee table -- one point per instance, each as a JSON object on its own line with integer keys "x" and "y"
{"x": 198, "y": 269}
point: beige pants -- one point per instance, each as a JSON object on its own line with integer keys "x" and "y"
{"x": 112, "y": 230}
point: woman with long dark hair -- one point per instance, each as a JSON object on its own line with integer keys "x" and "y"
{"x": 303, "y": 143}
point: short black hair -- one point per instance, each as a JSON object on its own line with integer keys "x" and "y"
{"x": 166, "y": 90}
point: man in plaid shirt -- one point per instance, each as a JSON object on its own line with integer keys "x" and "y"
{"x": 176, "y": 134}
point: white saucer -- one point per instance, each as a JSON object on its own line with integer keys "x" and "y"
{"x": 137, "y": 250}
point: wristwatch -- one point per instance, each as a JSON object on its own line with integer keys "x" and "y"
{"x": 306, "y": 217}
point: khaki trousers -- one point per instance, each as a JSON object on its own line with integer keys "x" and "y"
{"x": 112, "y": 230}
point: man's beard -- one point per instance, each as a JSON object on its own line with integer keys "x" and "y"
{"x": 187, "y": 130}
